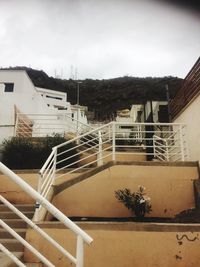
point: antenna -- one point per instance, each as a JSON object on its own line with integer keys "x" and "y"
{"x": 71, "y": 72}
{"x": 76, "y": 74}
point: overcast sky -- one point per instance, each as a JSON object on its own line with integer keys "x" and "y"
{"x": 101, "y": 38}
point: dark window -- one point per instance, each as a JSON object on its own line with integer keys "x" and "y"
{"x": 9, "y": 87}
{"x": 125, "y": 127}
{"x": 54, "y": 97}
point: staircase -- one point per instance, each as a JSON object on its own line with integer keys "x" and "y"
{"x": 114, "y": 142}
{"x": 17, "y": 224}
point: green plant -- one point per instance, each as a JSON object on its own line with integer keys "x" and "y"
{"x": 31, "y": 153}
{"x": 138, "y": 202}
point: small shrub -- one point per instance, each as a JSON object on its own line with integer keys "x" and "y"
{"x": 31, "y": 153}
{"x": 138, "y": 202}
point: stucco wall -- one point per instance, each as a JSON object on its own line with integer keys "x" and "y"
{"x": 26, "y": 98}
{"x": 169, "y": 187}
{"x": 124, "y": 245}
{"x": 13, "y": 192}
{"x": 191, "y": 117}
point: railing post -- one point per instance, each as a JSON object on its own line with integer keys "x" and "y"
{"x": 37, "y": 205}
{"x": 113, "y": 142}
{"x": 181, "y": 142}
{"x": 79, "y": 252}
{"x": 99, "y": 155}
{"x": 109, "y": 133}
{"x": 154, "y": 147}
{"x": 167, "y": 150}
{"x": 54, "y": 163}
{"x": 187, "y": 154}
{"x": 16, "y": 125}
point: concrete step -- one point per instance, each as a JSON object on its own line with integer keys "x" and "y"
{"x": 21, "y": 207}
{"x": 5, "y": 235}
{"x": 34, "y": 264}
{"x": 5, "y": 261}
{"x": 12, "y": 245}
{"x": 15, "y": 223}
{"x": 12, "y": 215}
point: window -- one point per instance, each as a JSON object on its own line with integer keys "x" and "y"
{"x": 126, "y": 127}
{"x": 54, "y": 97}
{"x": 9, "y": 87}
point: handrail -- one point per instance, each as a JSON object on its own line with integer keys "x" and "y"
{"x": 47, "y": 161}
{"x": 26, "y": 244}
{"x": 38, "y": 229}
{"x": 51, "y": 208}
{"x": 51, "y": 120}
{"x": 11, "y": 256}
{"x": 91, "y": 148}
{"x": 117, "y": 123}
{"x": 81, "y": 235}
{"x": 82, "y": 135}
{"x": 60, "y": 114}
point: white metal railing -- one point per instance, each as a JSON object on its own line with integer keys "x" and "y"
{"x": 161, "y": 151}
{"x": 171, "y": 147}
{"x": 41, "y": 125}
{"x": 81, "y": 235}
{"x": 110, "y": 140}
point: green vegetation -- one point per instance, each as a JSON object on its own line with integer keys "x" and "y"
{"x": 105, "y": 97}
{"x": 138, "y": 202}
{"x": 31, "y": 153}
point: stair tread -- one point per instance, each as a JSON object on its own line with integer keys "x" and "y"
{"x": 21, "y": 207}
{"x": 10, "y": 214}
{"x": 6, "y": 261}
{"x": 4, "y": 234}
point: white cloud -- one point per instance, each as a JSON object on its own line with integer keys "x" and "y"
{"x": 101, "y": 38}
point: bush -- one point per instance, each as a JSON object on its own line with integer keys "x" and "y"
{"x": 137, "y": 202}
{"x": 30, "y": 153}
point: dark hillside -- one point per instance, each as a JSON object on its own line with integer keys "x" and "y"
{"x": 107, "y": 96}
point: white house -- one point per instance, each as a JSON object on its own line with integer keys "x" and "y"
{"x": 26, "y": 109}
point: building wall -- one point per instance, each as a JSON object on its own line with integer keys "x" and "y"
{"x": 124, "y": 245}
{"x": 169, "y": 187}
{"x": 24, "y": 97}
{"x": 191, "y": 117}
{"x": 31, "y": 100}
{"x": 13, "y": 193}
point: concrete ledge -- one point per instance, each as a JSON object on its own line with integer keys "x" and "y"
{"x": 80, "y": 177}
{"x": 127, "y": 226}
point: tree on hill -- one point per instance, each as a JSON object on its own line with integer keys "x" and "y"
{"x": 107, "y": 96}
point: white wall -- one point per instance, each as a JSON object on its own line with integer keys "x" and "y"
{"x": 24, "y": 97}
{"x": 50, "y": 96}
{"x": 191, "y": 117}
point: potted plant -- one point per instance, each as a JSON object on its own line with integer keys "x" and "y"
{"x": 138, "y": 202}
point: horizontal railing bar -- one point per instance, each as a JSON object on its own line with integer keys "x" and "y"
{"x": 161, "y": 148}
{"x": 161, "y": 158}
{"x": 79, "y": 137}
{"x": 78, "y": 161}
{"x": 79, "y": 153}
{"x": 47, "y": 161}
{"x": 38, "y": 229}
{"x": 26, "y": 244}
{"x": 149, "y": 123}
{"x": 45, "y": 203}
{"x": 46, "y": 183}
{"x": 11, "y": 256}
{"x": 49, "y": 165}
{"x": 46, "y": 178}
{"x": 79, "y": 168}
{"x": 68, "y": 115}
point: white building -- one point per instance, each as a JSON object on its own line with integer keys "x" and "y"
{"x": 185, "y": 108}
{"x": 35, "y": 111}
